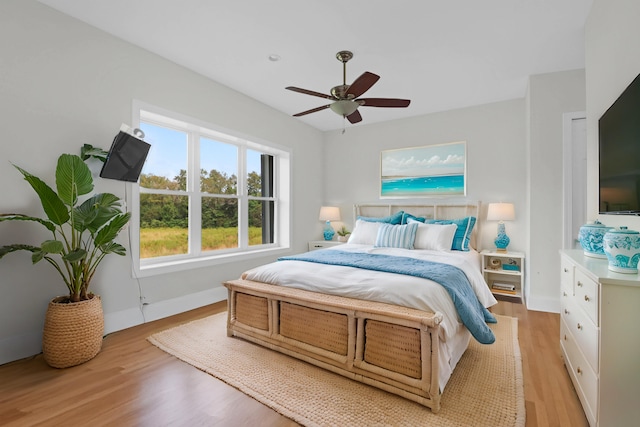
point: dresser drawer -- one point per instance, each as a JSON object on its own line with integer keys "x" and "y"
{"x": 584, "y": 378}
{"x": 583, "y": 330}
{"x": 587, "y": 295}
{"x": 566, "y": 276}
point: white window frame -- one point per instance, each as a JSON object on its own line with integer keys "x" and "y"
{"x": 282, "y": 193}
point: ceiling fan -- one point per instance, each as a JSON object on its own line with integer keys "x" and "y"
{"x": 345, "y": 97}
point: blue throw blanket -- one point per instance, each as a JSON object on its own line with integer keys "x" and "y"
{"x": 472, "y": 313}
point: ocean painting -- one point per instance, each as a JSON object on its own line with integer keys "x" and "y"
{"x": 431, "y": 171}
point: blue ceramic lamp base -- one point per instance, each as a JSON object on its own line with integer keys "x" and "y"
{"x": 328, "y": 231}
{"x": 502, "y": 241}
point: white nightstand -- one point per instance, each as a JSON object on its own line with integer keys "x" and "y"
{"x": 504, "y": 273}
{"x": 322, "y": 244}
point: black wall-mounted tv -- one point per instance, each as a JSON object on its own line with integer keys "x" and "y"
{"x": 619, "y": 136}
{"x": 126, "y": 158}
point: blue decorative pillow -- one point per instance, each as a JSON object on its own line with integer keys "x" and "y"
{"x": 396, "y": 218}
{"x": 463, "y": 233}
{"x": 407, "y": 216}
{"x": 396, "y": 236}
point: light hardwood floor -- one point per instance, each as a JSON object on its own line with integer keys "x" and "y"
{"x": 133, "y": 383}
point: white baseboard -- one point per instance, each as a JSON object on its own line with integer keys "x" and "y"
{"x": 30, "y": 344}
{"x": 162, "y": 309}
{"x": 549, "y": 305}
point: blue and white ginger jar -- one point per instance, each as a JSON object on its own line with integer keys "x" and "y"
{"x": 591, "y": 238}
{"x": 622, "y": 247}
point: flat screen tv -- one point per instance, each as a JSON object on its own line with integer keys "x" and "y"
{"x": 126, "y": 158}
{"x": 619, "y": 136}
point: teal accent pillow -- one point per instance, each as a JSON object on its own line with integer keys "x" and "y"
{"x": 396, "y": 218}
{"x": 407, "y": 216}
{"x": 396, "y": 236}
{"x": 463, "y": 233}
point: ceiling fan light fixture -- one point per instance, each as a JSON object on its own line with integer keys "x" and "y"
{"x": 344, "y": 107}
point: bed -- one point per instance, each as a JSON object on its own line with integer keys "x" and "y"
{"x": 370, "y": 309}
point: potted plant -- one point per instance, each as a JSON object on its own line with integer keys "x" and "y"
{"x": 342, "y": 234}
{"x": 83, "y": 233}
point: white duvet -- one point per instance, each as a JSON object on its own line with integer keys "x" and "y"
{"x": 391, "y": 288}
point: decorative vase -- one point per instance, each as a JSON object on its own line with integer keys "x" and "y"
{"x": 72, "y": 332}
{"x": 591, "y": 238}
{"x": 622, "y": 248}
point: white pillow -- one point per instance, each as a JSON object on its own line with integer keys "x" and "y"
{"x": 436, "y": 237}
{"x": 365, "y": 232}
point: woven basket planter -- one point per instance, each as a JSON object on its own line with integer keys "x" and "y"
{"x": 72, "y": 332}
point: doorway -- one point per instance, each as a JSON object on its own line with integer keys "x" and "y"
{"x": 574, "y": 186}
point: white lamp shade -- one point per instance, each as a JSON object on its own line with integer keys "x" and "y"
{"x": 329, "y": 213}
{"x": 501, "y": 212}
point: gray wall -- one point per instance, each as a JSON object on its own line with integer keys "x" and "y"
{"x": 64, "y": 83}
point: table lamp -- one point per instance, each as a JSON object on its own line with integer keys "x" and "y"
{"x": 328, "y": 214}
{"x": 501, "y": 212}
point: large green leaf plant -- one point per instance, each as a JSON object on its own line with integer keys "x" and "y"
{"x": 84, "y": 229}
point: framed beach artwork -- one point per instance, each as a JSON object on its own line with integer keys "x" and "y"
{"x": 429, "y": 171}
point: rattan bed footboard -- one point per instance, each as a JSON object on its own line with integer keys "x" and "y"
{"x": 386, "y": 346}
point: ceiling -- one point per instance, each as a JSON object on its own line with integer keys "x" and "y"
{"x": 439, "y": 54}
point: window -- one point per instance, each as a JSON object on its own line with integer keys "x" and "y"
{"x": 205, "y": 196}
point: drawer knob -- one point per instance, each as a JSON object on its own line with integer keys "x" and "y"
{"x": 566, "y": 270}
{"x": 564, "y": 294}
{"x": 579, "y": 370}
{"x": 586, "y": 298}
{"x": 566, "y": 311}
{"x": 579, "y": 326}
{"x": 579, "y": 283}
{"x": 565, "y": 337}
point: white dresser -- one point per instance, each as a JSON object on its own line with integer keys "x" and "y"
{"x": 600, "y": 338}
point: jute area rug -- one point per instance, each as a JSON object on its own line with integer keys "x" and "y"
{"x": 486, "y": 388}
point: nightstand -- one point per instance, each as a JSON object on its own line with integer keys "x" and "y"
{"x": 322, "y": 244}
{"x": 504, "y": 273}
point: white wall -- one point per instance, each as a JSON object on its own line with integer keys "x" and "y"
{"x": 514, "y": 154}
{"x": 612, "y": 62}
{"x": 549, "y": 97}
{"x": 64, "y": 83}
{"x": 496, "y": 159}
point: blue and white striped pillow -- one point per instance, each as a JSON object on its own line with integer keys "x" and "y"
{"x": 396, "y": 236}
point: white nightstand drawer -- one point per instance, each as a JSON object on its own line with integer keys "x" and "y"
{"x": 586, "y": 291}
{"x": 583, "y": 376}
{"x": 322, "y": 244}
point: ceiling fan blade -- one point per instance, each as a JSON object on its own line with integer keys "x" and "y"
{"x": 354, "y": 117}
{"x": 362, "y": 84}
{"x": 309, "y": 92}
{"x": 384, "y": 102}
{"x": 304, "y": 113}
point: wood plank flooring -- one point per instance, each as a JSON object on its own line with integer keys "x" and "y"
{"x": 133, "y": 383}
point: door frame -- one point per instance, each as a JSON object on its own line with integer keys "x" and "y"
{"x": 568, "y": 186}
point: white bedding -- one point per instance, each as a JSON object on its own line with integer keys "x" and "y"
{"x": 391, "y": 288}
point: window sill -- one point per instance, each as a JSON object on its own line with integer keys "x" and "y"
{"x": 176, "y": 265}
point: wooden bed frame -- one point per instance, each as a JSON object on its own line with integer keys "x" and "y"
{"x": 387, "y": 346}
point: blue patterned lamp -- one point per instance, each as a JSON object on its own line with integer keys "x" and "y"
{"x": 328, "y": 214}
{"x": 501, "y": 212}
